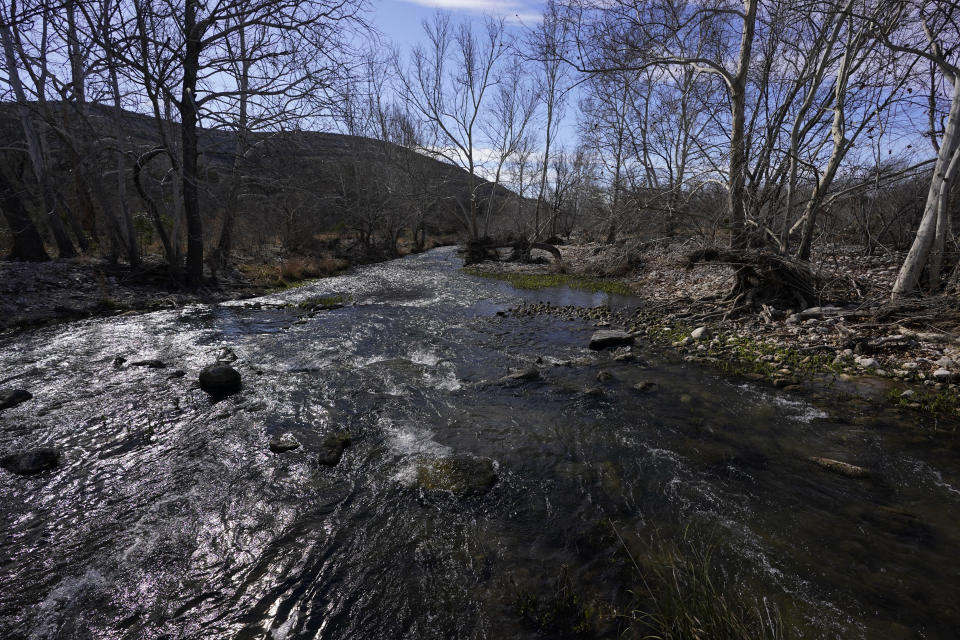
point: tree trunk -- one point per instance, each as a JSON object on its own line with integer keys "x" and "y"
{"x": 27, "y": 243}
{"x": 123, "y": 200}
{"x": 64, "y": 246}
{"x": 917, "y": 258}
{"x": 943, "y": 224}
{"x": 188, "y": 129}
{"x": 736, "y": 210}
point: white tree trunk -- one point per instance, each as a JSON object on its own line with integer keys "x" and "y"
{"x": 918, "y": 257}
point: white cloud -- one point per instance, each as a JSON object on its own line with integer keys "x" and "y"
{"x": 513, "y": 12}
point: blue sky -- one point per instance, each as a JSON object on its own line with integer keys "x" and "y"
{"x": 400, "y": 20}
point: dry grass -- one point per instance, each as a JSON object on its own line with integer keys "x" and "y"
{"x": 292, "y": 269}
{"x": 298, "y": 268}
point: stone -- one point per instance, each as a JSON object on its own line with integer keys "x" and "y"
{"x": 604, "y": 376}
{"x": 30, "y": 463}
{"x": 838, "y": 466}
{"x": 118, "y": 362}
{"x": 910, "y": 366}
{"x": 909, "y": 393}
{"x": 593, "y": 392}
{"x": 529, "y": 373}
{"x": 946, "y": 363}
{"x": 220, "y": 380}
{"x": 150, "y": 364}
{"x": 12, "y": 397}
{"x": 645, "y": 386}
{"x": 284, "y": 443}
{"x": 609, "y": 338}
{"x": 868, "y": 363}
{"x": 699, "y": 333}
{"x": 462, "y": 475}
{"x": 332, "y": 448}
{"x": 942, "y": 375}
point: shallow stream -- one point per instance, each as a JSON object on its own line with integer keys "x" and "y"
{"x": 169, "y": 516}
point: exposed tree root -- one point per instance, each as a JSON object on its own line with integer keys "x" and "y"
{"x": 762, "y": 279}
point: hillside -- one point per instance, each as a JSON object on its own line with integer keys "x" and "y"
{"x": 289, "y": 191}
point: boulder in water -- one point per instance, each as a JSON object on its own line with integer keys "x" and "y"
{"x": 332, "y": 448}
{"x": 220, "y": 380}
{"x": 32, "y": 462}
{"x": 12, "y": 397}
{"x": 463, "y": 475}
{"x": 284, "y": 443}
{"x": 609, "y": 338}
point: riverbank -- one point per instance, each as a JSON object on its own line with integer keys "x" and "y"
{"x": 40, "y": 293}
{"x": 906, "y": 352}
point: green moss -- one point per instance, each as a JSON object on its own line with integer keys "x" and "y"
{"x": 939, "y": 403}
{"x": 321, "y": 302}
{"x": 545, "y": 280}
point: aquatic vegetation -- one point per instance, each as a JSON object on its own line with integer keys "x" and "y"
{"x": 545, "y": 280}
{"x": 685, "y": 595}
{"x": 562, "y": 612}
{"x": 323, "y": 302}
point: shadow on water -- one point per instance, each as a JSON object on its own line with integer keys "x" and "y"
{"x": 169, "y": 515}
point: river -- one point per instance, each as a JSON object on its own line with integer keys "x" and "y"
{"x": 170, "y": 517}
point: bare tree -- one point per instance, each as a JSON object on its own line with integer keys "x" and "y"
{"x": 10, "y": 22}
{"x": 448, "y": 83}
{"x": 929, "y": 31}
{"x": 183, "y": 53}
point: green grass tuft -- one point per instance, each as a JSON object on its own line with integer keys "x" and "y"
{"x": 545, "y": 280}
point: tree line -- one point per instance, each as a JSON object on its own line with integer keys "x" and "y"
{"x": 766, "y": 124}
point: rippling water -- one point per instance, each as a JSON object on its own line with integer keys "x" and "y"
{"x": 169, "y": 517}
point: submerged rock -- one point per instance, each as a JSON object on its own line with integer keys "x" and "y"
{"x": 608, "y": 338}
{"x": 529, "y": 373}
{"x": 462, "y": 475}
{"x": 32, "y": 462}
{"x": 838, "y": 466}
{"x": 12, "y": 397}
{"x": 220, "y": 380}
{"x": 332, "y": 448}
{"x": 150, "y": 364}
{"x": 284, "y": 443}
{"x": 645, "y": 386}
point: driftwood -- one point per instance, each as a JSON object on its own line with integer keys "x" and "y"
{"x": 762, "y": 278}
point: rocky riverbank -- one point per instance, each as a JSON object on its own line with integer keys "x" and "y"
{"x": 34, "y": 294}
{"x": 909, "y": 350}
{"x": 39, "y": 293}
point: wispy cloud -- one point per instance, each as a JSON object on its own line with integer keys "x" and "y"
{"x": 513, "y": 12}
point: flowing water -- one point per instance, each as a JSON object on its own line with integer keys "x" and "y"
{"x": 169, "y": 517}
